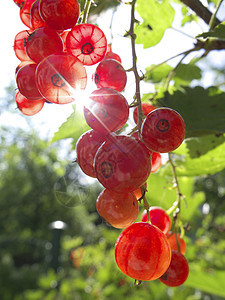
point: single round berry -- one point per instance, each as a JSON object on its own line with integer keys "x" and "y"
{"x": 43, "y": 42}
{"x": 158, "y": 217}
{"x": 25, "y": 12}
{"x": 58, "y": 76}
{"x": 86, "y": 148}
{"x": 142, "y": 252}
{"x": 25, "y": 79}
{"x": 107, "y": 110}
{"x": 163, "y": 130}
{"x": 110, "y": 73}
{"x": 19, "y": 45}
{"x": 146, "y": 109}
{"x": 176, "y": 242}
{"x": 59, "y": 14}
{"x": 118, "y": 209}
{"x": 28, "y": 107}
{"x": 122, "y": 164}
{"x": 36, "y": 20}
{"x": 178, "y": 270}
{"x": 87, "y": 42}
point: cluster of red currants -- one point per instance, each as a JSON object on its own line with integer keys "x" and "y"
{"x": 54, "y": 53}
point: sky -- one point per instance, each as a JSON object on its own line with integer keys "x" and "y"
{"x": 52, "y": 116}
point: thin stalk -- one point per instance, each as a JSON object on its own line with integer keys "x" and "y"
{"x": 87, "y": 7}
{"x": 213, "y": 18}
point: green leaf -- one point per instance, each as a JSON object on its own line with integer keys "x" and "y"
{"x": 157, "y": 17}
{"x": 218, "y": 33}
{"x": 73, "y": 127}
{"x": 156, "y": 75}
{"x": 199, "y": 156}
{"x": 185, "y": 73}
{"x": 203, "y": 110}
{"x": 210, "y": 282}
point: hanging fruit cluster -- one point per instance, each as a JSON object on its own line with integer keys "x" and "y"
{"x": 54, "y": 53}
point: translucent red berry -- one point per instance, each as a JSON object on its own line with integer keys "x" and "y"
{"x": 118, "y": 209}
{"x": 122, "y": 164}
{"x": 36, "y": 20}
{"x": 107, "y": 110}
{"x": 25, "y": 12}
{"x": 25, "y": 79}
{"x": 110, "y": 73}
{"x": 87, "y": 42}
{"x": 43, "y": 42}
{"x": 60, "y": 14}
{"x": 142, "y": 252}
{"x": 158, "y": 217}
{"x": 28, "y": 107}
{"x": 163, "y": 130}
{"x": 19, "y": 44}
{"x": 59, "y": 76}
{"x": 86, "y": 148}
{"x": 146, "y": 109}
{"x": 178, "y": 270}
{"x": 176, "y": 242}
{"x": 156, "y": 161}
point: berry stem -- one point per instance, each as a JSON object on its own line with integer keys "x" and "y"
{"x": 87, "y": 7}
{"x": 134, "y": 66}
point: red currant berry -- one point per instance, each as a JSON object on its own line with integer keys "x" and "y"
{"x": 118, "y": 209}
{"x": 178, "y": 271}
{"x": 59, "y": 14}
{"x": 87, "y": 42}
{"x": 156, "y": 161}
{"x": 122, "y": 164}
{"x": 25, "y": 12}
{"x": 146, "y": 109}
{"x": 28, "y": 107}
{"x": 36, "y": 20}
{"x": 19, "y": 45}
{"x": 58, "y": 76}
{"x": 43, "y": 42}
{"x": 25, "y": 79}
{"x": 142, "y": 252}
{"x": 86, "y": 148}
{"x": 175, "y": 240}
{"x": 163, "y": 130}
{"x": 107, "y": 110}
{"x": 158, "y": 217}
{"x": 112, "y": 55}
{"x": 110, "y": 73}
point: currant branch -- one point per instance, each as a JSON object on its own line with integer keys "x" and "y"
{"x": 175, "y": 208}
{"x": 134, "y": 66}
